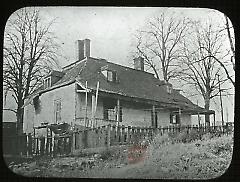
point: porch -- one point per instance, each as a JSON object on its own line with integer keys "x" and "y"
{"x": 100, "y": 108}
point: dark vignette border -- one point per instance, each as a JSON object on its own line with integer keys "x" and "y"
{"x": 229, "y": 7}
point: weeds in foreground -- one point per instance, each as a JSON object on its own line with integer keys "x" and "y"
{"x": 200, "y": 159}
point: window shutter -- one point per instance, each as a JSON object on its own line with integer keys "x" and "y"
{"x": 120, "y": 114}
{"x": 178, "y": 119}
{"x": 152, "y": 118}
{"x": 171, "y": 118}
{"x": 114, "y": 78}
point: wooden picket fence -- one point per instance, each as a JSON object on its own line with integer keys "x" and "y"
{"x": 52, "y": 146}
{"x": 104, "y": 136}
{"x": 111, "y": 135}
{"x": 26, "y": 145}
{"x": 16, "y": 145}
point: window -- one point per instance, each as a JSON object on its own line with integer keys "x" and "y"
{"x": 110, "y": 110}
{"x": 175, "y": 118}
{"x": 57, "y": 111}
{"x": 110, "y": 114}
{"x": 47, "y": 82}
{"x": 111, "y": 76}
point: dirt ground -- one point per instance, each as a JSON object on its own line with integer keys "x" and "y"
{"x": 201, "y": 159}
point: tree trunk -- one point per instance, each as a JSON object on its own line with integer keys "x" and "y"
{"x": 20, "y": 113}
{"x": 207, "y": 106}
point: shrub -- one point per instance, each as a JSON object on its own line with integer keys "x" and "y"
{"x": 160, "y": 140}
{"x": 219, "y": 145}
{"x": 206, "y": 136}
{"x": 184, "y": 136}
{"x": 193, "y": 135}
{"x": 105, "y": 155}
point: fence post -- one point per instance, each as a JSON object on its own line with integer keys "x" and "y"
{"x": 187, "y": 129}
{"x": 128, "y": 134}
{"x": 36, "y": 146}
{"x": 46, "y": 147}
{"x": 25, "y": 144}
{"x": 123, "y": 134}
{"x": 133, "y": 135}
{"x": 42, "y": 146}
{"x": 64, "y": 145}
{"x": 108, "y": 136}
{"x": 118, "y": 134}
{"x": 73, "y": 142}
{"x": 29, "y": 144}
{"x": 54, "y": 151}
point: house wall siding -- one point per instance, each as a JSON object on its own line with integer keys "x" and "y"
{"x": 73, "y": 111}
{"x": 185, "y": 119}
{"x": 163, "y": 118}
{"x": 46, "y": 111}
{"x": 136, "y": 117}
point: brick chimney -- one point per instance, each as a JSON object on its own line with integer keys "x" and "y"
{"x": 82, "y": 49}
{"x": 139, "y": 63}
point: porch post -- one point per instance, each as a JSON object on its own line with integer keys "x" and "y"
{"x": 179, "y": 113}
{"x": 118, "y": 111}
{"x": 199, "y": 120}
{"x": 93, "y": 106}
{"x": 214, "y": 120}
{"x": 154, "y": 116}
{"x": 85, "y": 117}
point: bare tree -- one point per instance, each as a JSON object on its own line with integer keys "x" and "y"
{"x": 230, "y": 38}
{"x": 199, "y": 67}
{"x": 30, "y": 49}
{"x": 159, "y": 43}
{"x": 231, "y": 41}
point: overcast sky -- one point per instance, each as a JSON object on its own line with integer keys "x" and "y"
{"x": 111, "y": 30}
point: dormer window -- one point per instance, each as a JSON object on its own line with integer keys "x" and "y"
{"x": 111, "y": 76}
{"x": 47, "y": 82}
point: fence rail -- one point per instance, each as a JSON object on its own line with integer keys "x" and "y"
{"x": 110, "y": 135}
{"x": 104, "y": 136}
